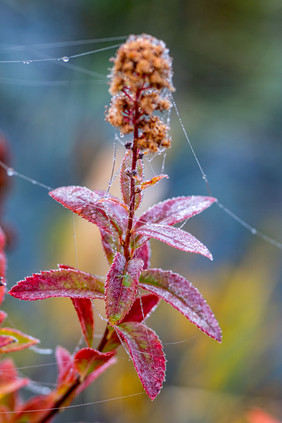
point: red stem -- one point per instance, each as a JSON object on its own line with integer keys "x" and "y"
{"x": 132, "y": 179}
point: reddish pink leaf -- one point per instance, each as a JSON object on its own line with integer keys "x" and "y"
{"x": 147, "y": 355}
{"x": 2, "y": 292}
{"x": 84, "y": 311}
{"x": 174, "y": 237}
{"x": 153, "y": 181}
{"x": 110, "y": 244}
{"x": 88, "y": 360}
{"x": 103, "y": 365}
{"x": 33, "y": 410}
{"x": 144, "y": 253}
{"x": 2, "y": 269}
{"x": 2, "y": 264}
{"x": 106, "y": 213}
{"x": 9, "y": 381}
{"x": 66, "y": 369}
{"x": 6, "y": 340}
{"x": 142, "y": 308}
{"x": 58, "y": 283}
{"x": 3, "y": 316}
{"x": 21, "y": 340}
{"x": 121, "y": 287}
{"x": 175, "y": 210}
{"x": 125, "y": 179}
{"x": 183, "y": 296}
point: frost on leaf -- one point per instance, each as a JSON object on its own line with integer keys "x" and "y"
{"x": 125, "y": 179}
{"x": 174, "y": 237}
{"x": 107, "y": 213}
{"x": 64, "y": 282}
{"x": 83, "y": 307}
{"x": 144, "y": 253}
{"x": 141, "y": 309}
{"x": 110, "y": 245}
{"x": 183, "y": 296}
{"x": 121, "y": 287}
{"x": 147, "y": 355}
{"x": 21, "y": 340}
{"x": 175, "y": 210}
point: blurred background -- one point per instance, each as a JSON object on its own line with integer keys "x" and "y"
{"x": 227, "y": 73}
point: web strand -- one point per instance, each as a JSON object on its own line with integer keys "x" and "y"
{"x": 238, "y": 219}
{"x": 64, "y": 59}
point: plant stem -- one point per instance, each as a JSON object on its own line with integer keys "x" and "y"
{"x": 103, "y": 340}
{"x": 57, "y": 406}
{"x": 132, "y": 180}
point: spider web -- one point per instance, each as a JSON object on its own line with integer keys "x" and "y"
{"x": 66, "y": 61}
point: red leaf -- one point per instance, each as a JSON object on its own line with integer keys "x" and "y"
{"x": 66, "y": 369}
{"x": 21, "y": 340}
{"x": 110, "y": 244}
{"x": 106, "y": 213}
{"x": 83, "y": 307}
{"x": 104, "y": 362}
{"x": 3, "y": 315}
{"x": 58, "y": 283}
{"x": 142, "y": 308}
{"x": 147, "y": 355}
{"x": 34, "y": 409}
{"x": 121, "y": 287}
{"x": 175, "y": 210}
{"x": 144, "y": 253}
{"x": 174, "y": 237}
{"x": 2, "y": 269}
{"x": 2, "y": 292}
{"x": 88, "y": 360}
{"x": 183, "y": 296}
{"x": 6, "y": 340}
{"x": 9, "y": 381}
{"x": 125, "y": 179}
{"x": 153, "y": 181}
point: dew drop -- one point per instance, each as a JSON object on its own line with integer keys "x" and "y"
{"x": 254, "y": 231}
{"x": 26, "y": 62}
{"x": 65, "y": 59}
{"x": 10, "y": 171}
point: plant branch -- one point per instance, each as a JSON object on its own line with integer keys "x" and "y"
{"x": 58, "y": 404}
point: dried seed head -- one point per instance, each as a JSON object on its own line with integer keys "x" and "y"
{"x": 141, "y": 60}
{"x": 141, "y": 79}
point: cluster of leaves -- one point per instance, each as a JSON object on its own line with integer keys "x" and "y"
{"x": 131, "y": 290}
{"x": 126, "y": 306}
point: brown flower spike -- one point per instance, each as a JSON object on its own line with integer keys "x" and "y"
{"x": 140, "y": 83}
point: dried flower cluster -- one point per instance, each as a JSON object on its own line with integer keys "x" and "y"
{"x": 140, "y": 83}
